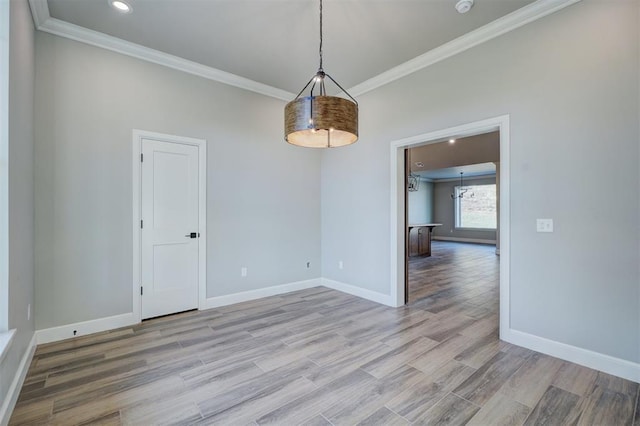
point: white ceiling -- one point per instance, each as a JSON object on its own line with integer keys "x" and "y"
{"x": 275, "y": 42}
{"x": 473, "y": 170}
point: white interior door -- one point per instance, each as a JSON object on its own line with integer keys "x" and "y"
{"x": 169, "y": 255}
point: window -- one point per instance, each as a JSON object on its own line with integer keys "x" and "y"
{"x": 479, "y": 211}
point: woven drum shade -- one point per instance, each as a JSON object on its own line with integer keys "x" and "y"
{"x": 321, "y": 122}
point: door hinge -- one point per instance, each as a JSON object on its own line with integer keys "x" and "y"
{"x": 141, "y": 290}
{"x": 141, "y": 158}
{"x": 141, "y": 224}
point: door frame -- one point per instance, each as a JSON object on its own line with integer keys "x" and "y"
{"x": 138, "y": 136}
{"x": 398, "y": 210}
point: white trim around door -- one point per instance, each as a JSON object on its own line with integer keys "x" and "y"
{"x": 397, "y": 205}
{"x": 138, "y": 136}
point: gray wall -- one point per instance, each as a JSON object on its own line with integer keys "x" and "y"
{"x": 445, "y": 211}
{"x": 572, "y": 95}
{"x": 420, "y": 204}
{"x": 263, "y": 195}
{"x": 21, "y": 202}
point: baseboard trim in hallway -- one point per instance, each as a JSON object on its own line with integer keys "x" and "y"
{"x": 464, "y": 240}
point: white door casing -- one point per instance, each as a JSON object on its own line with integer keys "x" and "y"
{"x": 169, "y": 198}
{"x": 397, "y": 200}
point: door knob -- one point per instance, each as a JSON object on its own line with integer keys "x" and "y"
{"x": 192, "y": 235}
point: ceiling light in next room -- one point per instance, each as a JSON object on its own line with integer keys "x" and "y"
{"x": 452, "y": 141}
{"x": 120, "y": 5}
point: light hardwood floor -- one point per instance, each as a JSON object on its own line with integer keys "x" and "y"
{"x": 320, "y": 357}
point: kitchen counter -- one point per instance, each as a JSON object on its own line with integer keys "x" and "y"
{"x": 420, "y": 241}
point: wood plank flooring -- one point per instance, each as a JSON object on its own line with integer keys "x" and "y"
{"x": 321, "y": 357}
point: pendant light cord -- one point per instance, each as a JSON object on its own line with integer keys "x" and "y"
{"x": 320, "y": 50}
{"x": 314, "y": 80}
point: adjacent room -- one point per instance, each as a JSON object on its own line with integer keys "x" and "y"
{"x": 328, "y": 212}
{"x": 452, "y": 216}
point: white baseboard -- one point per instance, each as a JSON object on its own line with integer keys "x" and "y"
{"x": 374, "y": 296}
{"x": 62, "y": 332}
{"x": 245, "y": 296}
{"x": 9, "y": 402}
{"x": 606, "y": 363}
{"x": 463, "y": 240}
{"x": 6, "y": 337}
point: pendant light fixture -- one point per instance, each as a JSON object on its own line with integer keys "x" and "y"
{"x": 462, "y": 191}
{"x": 413, "y": 180}
{"x": 319, "y": 120}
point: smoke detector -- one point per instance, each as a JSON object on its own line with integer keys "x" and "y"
{"x": 463, "y": 6}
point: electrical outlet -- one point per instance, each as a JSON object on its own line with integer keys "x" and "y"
{"x": 340, "y": 265}
{"x": 544, "y": 225}
{"x": 243, "y": 271}
{"x": 29, "y": 312}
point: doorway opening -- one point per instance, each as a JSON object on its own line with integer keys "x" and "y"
{"x": 452, "y": 215}
{"x": 446, "y": 247}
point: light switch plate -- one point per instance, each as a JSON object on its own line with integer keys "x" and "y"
{"x": 544, "y": 225}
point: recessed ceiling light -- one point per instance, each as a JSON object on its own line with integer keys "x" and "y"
{"x": 120, "y": 6}
{"x": 452, "y": 141}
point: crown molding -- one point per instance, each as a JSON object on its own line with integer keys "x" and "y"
{"x": 536, "y": 10}
{"x": 39, "y": 11}
{"x": 44, "y": 22}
